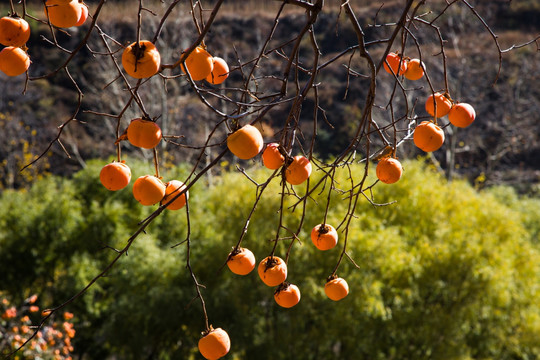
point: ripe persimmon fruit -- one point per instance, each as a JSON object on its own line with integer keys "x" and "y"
{"x": 14, "y": 61}
{"x": 199, "y": 64}
{"x": 141, "y": 59}
{"x": 214, "y": 344}
{"x": 173, "y": 188}
{"x": 298, "y": 171}
{"x": 241, "y": 261}
{"x": 428, "y": 136}
{"x": 84, "y": 15}
{"x": 148, "y": 190}
{"x": 115, "y": 176}
{"x": 63, "y": 14}
{"x": 462, "y": 115}
{"x": 444, "y": 105}
{"x": 415, "y": 69}
{"x": 324, "y": 236}
{"x": 394, "y": 60}
{"x": 389, "y": 170}
{"x": 272, "y": 157}
{"x": 245, "y": 142}
{"x": 336, "y": 288}
{"x": 145, "y": 134}
{"x": 14, "y": 31}
{"x": 272, "y": 270}
{"x": 287, "y": 295}
{"x": 220, "y": 71}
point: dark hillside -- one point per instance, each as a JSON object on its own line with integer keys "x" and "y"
{"x": 502, "y": 147}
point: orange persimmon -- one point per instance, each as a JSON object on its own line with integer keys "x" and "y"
{"x": 428, "y": 136}
{"x": 415, "y": 69}
{"x": 148, "y": 190}
{"x": 115, "y": 176}
{"x": 245, "y": 142}
{"x": 298, "y": 171}
{"x": 84, "y": 15}
{"x": 241, "y": 261}
{"x": 271, "y": 157}
{"x": 14, "y": 61}
{"x": 143, "y": 133}
{"x": 287, "y": 295}
{"x": 14, "y": 31}
{"x": 220, "y": 71}
{"x": 141, "y": 59}
{"x": 462, "y": 115}
{"x": 324, "y": 236}
{"x": 444, "y": 105}
{"x": 336, "y": 288}
{"x": 272, "y": 270}
{"x": 173, "y": 188}
{"x": 394, "y": 60}
{"x": 199, "y": 64}
{"x": 63, "y": 14}
{"x": 214, "y": 344}
{"x": 389, "y": 170}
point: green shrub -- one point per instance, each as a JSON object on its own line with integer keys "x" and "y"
{"x": 446, "y": 272}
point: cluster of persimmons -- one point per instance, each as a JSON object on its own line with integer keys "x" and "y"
{"x": 15, "y": 32}
{"x": 141, "y": 59}
{"x": 245, "y": 143}
{"x": 428, "y": 136}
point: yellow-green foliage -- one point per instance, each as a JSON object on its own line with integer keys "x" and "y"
{"x": 445, "y": 272}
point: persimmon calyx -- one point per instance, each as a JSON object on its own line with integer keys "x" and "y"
{"x": 283, "y": 286}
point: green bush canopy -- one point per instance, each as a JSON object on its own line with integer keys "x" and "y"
{"x": 445, "y": 272}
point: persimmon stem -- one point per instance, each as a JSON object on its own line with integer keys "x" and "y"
{"x": 188, "y": 265}
{"x": 156, "y": 162}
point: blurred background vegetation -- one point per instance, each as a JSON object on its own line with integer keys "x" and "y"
{"x": 447, "y": 272}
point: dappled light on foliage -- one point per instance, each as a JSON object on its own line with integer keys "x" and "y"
{"x": 425, "y": 270}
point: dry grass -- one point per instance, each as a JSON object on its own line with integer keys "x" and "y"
{"x": 127, "y": 10}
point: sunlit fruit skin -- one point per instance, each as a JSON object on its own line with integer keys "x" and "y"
{"x": 326, "y": 239}
{"x": 145, "y": 134}
{"x": 272, "y": 157}
{"x": 245, "y": 142}
{"x": 288, "y": 296}
{"x": 462, "y": 115}
{"x": 415, "y": 71}
{"x": 14, "y": 31}
{"x": 84, "y": 15}
{"x": 389, "y": 170}
{"x": 215, "y": 344}
{"x": 394, "y": 60}
{"x": 336, "y": 289}
{"x": 148, "y": 190}
{"x": 242, "y": 263}
{"x": 274, "y": 275}
{"x": 443, "y": 105}
{"x": 14, "y": 61}
{"x": 144, "y": 66}
{"x": 62, "y": 14}
{"x": 115, "y": 176}
{"x": 428, "y": 136}
{"x": 298, "y": 171}
{"x": 220, "y": 71}
{"x": 199, "y": 63}
{"x": 173, "y": 188}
